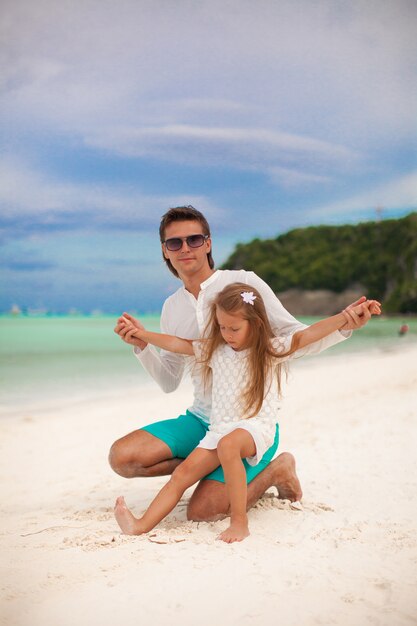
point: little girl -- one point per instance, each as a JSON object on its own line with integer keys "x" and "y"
{"x": 242, "y": 357}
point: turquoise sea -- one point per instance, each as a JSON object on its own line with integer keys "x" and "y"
{"x": 44, "y": 359}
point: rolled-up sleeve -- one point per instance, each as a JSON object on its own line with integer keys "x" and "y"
{"x": 166, "y": 368}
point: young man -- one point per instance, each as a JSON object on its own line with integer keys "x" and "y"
{"x": 157, "y": 449}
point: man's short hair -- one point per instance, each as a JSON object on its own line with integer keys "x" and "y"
{"x": 183, "y": 214}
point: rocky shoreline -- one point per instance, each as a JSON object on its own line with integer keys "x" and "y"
{"x": 319, "y": 301}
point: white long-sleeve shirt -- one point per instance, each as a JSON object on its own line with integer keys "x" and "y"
{"x": 185, "y": 316}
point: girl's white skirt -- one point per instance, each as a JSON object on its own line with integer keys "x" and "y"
{"x": 263, "y": 435}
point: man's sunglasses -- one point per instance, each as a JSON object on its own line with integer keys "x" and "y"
{"x": 193, "y": 241}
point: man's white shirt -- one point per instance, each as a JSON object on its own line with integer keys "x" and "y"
{"x": 185, "y": 316}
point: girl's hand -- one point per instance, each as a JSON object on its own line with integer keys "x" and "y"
{"x": 374, "y": 307}
{"x": 129, "y": 328}
{"x": 359, "y": 313}
{"x": 353, "y": 320}
{"x": 127, "y": 319}
{"x": 132, "y": 334}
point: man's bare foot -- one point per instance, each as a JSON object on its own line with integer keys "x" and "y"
{"x": 237, "y": 531}
{"x": 285, "y": 477}
{"x": 127, "y": 522}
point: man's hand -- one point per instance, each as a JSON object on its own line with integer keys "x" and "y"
{"x": 126, "y": 327}
{"x": 359, "y": 313}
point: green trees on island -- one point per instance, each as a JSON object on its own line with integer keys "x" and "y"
{"x": 380, "y": 256}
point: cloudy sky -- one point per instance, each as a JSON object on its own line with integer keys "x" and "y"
{"x": 264, "y": 115}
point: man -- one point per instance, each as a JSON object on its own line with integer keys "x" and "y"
{"x": 157, "y": 449}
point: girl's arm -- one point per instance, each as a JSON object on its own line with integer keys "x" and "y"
{"x": 167, "y": 342}
{"x": 325, "y": 327}
{"x": 166, "y": 368}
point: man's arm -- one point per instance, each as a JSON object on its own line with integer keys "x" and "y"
{"x": 166, "y": 368}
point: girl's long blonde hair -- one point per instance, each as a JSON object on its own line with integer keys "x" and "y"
{"x": 261, "y": 358}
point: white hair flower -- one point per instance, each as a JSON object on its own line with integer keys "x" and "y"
{"x": 248, "y": 297}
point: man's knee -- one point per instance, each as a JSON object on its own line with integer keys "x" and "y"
{"x": 121, "y": 461}
{"x": 198, "y": 511}
{"x": 209, "y": 502}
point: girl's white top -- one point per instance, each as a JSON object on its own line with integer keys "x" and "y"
{"x": 230, "y": 379}
{"x": 185, "y": 316}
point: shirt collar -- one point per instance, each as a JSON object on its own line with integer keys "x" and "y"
{"x": 203, "y": 285}
{"x": 210, "y": 279}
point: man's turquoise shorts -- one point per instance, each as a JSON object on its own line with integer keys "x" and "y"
{"x": 185, "y": 432}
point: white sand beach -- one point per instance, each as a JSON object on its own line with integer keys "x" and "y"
{"x": 348, "y": 558}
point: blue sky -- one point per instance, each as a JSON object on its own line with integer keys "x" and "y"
{"x": 265, "y": 116}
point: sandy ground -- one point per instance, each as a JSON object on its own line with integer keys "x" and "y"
{"x": 348, "y": 558}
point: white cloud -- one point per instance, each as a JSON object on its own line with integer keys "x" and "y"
{"x": 302, "y": 91}
{"x": 26, "y": 192}
{"x": 294, "y": 178}
{"x": 208, "y": 105}
{"x": 341, "y": 71}
{"x": 253, "y": 149}
{"x": 260, "y": 136}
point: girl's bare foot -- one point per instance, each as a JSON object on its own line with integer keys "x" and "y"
{"x": 127, "y": 522}
{"x": 237, "y": 531}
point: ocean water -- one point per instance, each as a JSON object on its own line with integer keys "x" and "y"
{"x": 45, "y": 360}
